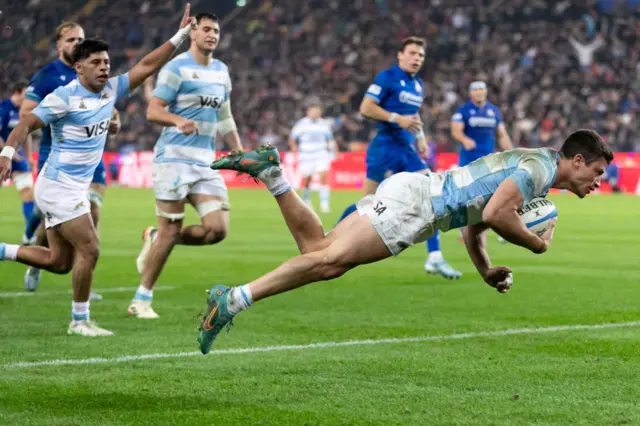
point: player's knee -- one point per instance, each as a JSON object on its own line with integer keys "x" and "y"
{"x": 60, "y": 265}
{"x": 168, "y": 235}
{"x": 331, "y": 265}
{"x": 91, "y": 252}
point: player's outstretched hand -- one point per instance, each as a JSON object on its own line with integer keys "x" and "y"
{"x": 5, "y": 168}
{"x": 500, "y": 278}
{"x": 412, "y": 123}
{"x": 186, "y": 19}
{"x": 188, "y": 126}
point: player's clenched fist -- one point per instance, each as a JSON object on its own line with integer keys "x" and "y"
{"x": 188, "y": 126}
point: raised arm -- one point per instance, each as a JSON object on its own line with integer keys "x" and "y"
{"x": 158, "y": 57}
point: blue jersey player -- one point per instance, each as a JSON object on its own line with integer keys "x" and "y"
{"x": 79, "y": 115}
{"x": 21, "y": 176}
{"x": 394, "y": 101}
{"x": 407, "y": 209}
{"x": 475, "y": 125}
{"x": 56, "y": 74}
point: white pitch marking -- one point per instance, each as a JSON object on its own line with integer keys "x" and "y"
{"x": 53, "y": 293}
{"x": 322, "y": 345}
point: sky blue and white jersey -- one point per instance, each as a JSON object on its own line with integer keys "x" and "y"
{"x": 313, "y": 137}
{"x": 79, "y": 121}
{"x": 195, "y": 92}
{"x": 459, "y": 196}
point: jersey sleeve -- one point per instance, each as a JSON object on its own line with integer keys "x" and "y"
{"x": 39, "y": 87}
{"x": 458, "y": 116}
{"x": 379, "y": 89}
{"x": 498, "y": 117}
{"x": 120, "y": 85}
{"x": 168, "y": 83}
{"x": 228, "y": 87}
{"x": 534, "y": 177}
{"x": 53, "y": 107}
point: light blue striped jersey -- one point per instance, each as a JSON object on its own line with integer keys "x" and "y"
{"x": 313, "y": 136}
{"x": 459, "y": 196}
{"x": 79, "y": 121}
{"x": 195, "y": 92}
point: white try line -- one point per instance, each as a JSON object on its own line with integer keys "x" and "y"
{"x": 57, "y": 293}
{"x": 322, "y": 345}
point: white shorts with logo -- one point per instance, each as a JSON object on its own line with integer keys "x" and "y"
{"x": 401, "y": 210}
{"x": 309, "y": 165}
{"x": 175, "y": 181}
{"x": 60, "y": 202}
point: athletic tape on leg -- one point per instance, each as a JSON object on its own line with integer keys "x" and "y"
{"x": 23, "y": 181}
{"x": 95, "y": 198}
{"x": 173, "y": 217}
{"x": 208, "y": 207}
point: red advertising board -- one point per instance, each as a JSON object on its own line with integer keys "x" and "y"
{"x": 347, "y": 171}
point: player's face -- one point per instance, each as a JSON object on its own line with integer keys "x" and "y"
{"x": 94, "y": 71}
{"x": 70, "y": 38}
{"x": 206, "y": 36}
{"x": 20, "y": 96}
{"x": 314, "y": 112}
{"x": 586, "y": 177}
{"x": 411, "y": 58}
{"x": 479, "y": 95}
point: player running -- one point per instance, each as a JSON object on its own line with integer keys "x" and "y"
{"x": 21, "y": 176}
{"x": 79, "y": 115}
{"x": 311, "y": 137}
{"x": 475, "y": 124}
{"x": 394, "y": 101}
{"x": 56, "y": 74}
{"x": 192, "y": 101}
{"x": 407, "y": 209}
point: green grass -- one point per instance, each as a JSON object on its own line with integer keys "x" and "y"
{"x": 589, "y": 276}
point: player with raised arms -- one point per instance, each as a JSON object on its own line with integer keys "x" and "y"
{"x": 407, "y": 209}
{"x": 79, "y": 115}
{"x": 192, "y": 100}
{"x": 59, "y": 73}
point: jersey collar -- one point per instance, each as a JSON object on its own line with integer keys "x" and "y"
{"x": 397, "y": 71}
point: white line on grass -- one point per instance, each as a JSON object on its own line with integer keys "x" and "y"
{"x": 54, "y": 293}
{"x": 322, "y": 345}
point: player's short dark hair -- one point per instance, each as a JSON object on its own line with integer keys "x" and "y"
{"x": 87, "y": 48}
{"x": 589, "y": 144}
{"x": 64, "y": 27}
{"x": 418, "y": 41}
{"x": 206, "y": 15}
{"x": 19, "y": 86}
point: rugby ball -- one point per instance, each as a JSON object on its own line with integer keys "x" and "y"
{"x": 537, "y": 215}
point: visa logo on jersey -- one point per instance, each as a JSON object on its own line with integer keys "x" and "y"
{"x": 210, "y": 101}
{"x": 98, "y": 129}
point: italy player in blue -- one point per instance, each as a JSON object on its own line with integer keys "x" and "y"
{"x": 79, "y": 115}
{"x": 407, "y": 209}
{"x": 21, "y": 176}
{"x": 192, "y": 101}
{"x": 475, "y": 124}
{"x": 394, "y": 101}
{"x": 56, "y": 74}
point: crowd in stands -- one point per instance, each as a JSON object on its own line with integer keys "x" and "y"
{"x": 551, "y": 65}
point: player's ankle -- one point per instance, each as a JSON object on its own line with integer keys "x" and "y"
{"x": 240, "y": 298}
{"x": 143, "y": 294}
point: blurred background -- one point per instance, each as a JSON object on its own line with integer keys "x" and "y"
{"x": 551, "y": 65}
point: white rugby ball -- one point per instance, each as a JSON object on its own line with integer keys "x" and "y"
{"x": 537, "y": 215}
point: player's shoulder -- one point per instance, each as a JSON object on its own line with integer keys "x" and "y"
{"x": 5, "y": 104}
{"x": 493, "y": 107}
{"x": 183, "y": 59}
{"x": 219, "y": 65}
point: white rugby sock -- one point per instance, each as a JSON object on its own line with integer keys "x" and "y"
{"x": 325, "y": 194}
{"x": 11, "y": 251}
{"x": 79, "y": 311}
{"x": 274, "y": 180}
{"x": 435, "y": 257}
{"x": 240, "y": 299}
{"x": 143, "y": 293}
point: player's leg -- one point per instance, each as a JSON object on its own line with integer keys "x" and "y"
{"x": 385, "y": 225}
{"x": 35, "y": 230}
{"x": 157, "y": 246}
{"x": 81, "y": 234}
{"x": 264, "y": 164}
{"x": 325, "y": 191}
{"x": 97, "y": 191}
{"x": 356, "y": 245}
